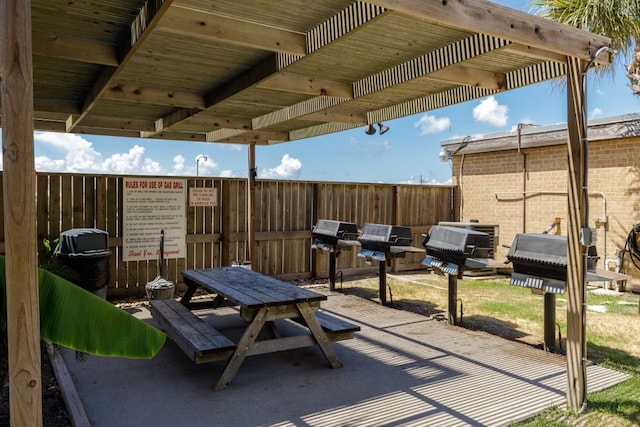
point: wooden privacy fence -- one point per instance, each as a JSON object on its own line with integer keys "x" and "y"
{"x": 217, "y": 236}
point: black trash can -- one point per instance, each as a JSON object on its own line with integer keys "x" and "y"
{"x": 86, "y": 252}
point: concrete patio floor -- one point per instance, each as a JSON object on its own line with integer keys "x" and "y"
{"x": 401, "y": 369}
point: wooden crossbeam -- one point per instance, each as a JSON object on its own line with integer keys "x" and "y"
{"x": 298, "y": 110}
{"x": 503, "y": 22}
{"x": 57, "y": 46}
{"x": 458, "y": 74}
{"x": 309, "y": 85}
{"x": 152, "y": 96}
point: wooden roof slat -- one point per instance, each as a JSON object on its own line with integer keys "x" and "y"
{"x": 155, "y": 96}
{"x": 209, "y": 26}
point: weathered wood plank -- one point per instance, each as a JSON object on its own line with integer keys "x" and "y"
{"x": 198, "y": 339}
{"x": 19, "y": 211}
{"x": 77, "y": 203}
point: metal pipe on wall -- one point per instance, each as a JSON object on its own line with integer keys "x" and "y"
{"x": 604, "y": 220}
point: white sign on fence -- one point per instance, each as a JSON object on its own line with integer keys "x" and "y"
{"x": 202, "y": 196}
{"x": 151, "y": 205}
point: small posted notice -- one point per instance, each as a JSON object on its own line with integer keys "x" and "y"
{"x": 151, "y": 205}
{"x": 201, "y": 196}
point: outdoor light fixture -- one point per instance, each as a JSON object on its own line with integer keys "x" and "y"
{"x": 372, "y": 131}
{"x": 444, "y": 155}
{"x": 205, "y": 158}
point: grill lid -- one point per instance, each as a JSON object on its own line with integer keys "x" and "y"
{"x": 454, "y": 244}
{"x": 540, "y": 255}
{"x": 540, "y": 261}
{"x": 382, "y": 236}
{"x": 330, "y": 230}
{"x": 329, "y": 235}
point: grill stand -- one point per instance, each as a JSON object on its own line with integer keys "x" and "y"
{"x": 384, "y": 258}
{"x": 334, "y": 250}
{"x": 332, "y": 270}
{"x": 382, "y": 287}
{"x": 453, "y": 298}
{"x": 549, "y": 321}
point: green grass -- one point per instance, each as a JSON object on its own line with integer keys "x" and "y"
{"x": 613, "y": 337}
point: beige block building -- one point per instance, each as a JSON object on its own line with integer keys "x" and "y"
{"x": 518, "y": 180}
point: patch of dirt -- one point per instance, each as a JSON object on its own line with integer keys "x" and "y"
{"x": 54, "y": 411}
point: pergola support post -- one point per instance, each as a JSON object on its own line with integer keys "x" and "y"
{"x": 251, "y": 207}
{"x": 23, "y": 317}
{"x": 576, "y": 268}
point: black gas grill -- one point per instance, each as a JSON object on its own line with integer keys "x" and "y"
{"x": 382, "y": 243}
{"x": 448, "y": 248}
{"x": 540, "y": 262}
{"x": 329, "y": 235}
{"x": 333, "y": 236}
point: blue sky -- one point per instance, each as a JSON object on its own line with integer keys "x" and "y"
{"x": 407, "y": 153}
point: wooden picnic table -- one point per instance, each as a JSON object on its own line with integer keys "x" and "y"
{"x": 261, "y": 300}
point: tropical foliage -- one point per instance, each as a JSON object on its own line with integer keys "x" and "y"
{"x": 616, "y": 19}
{"x": 75, "y": 318}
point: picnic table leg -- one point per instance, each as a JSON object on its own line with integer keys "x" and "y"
{"x": 191, "y": 289}
{"x": 245, "y": 343}
{"x": 309, "y": 316}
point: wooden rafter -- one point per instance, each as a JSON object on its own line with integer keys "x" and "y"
{"x": 453, "y": 54}
{"x": 150, "y": 14}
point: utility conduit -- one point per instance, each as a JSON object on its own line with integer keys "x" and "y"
{"x": 603, "y": 220}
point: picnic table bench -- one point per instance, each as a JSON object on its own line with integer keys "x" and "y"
{"x": 198, "y": 339}
{"x": 261, "y": 300}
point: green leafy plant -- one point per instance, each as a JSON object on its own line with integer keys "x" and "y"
{"x": 77, "y": 319}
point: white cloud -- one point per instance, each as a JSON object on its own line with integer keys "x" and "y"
{"x": 489, "y": 111}
{"x": 596, "y": 112}
{"x": 432, "y": 124}
{"x": 44, "y": 163}
{"x": 132, "y": 161}
{"x": 231, "y": 147}
{"x": 289, "y": 167}
{"x": 227, "y": 173}
{"x": 78, "y": 155}
{"x": 178, "y": 163}
{"x": 370, "y": 147}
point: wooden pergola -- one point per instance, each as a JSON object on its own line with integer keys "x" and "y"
{"x": 258, "y": 72}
